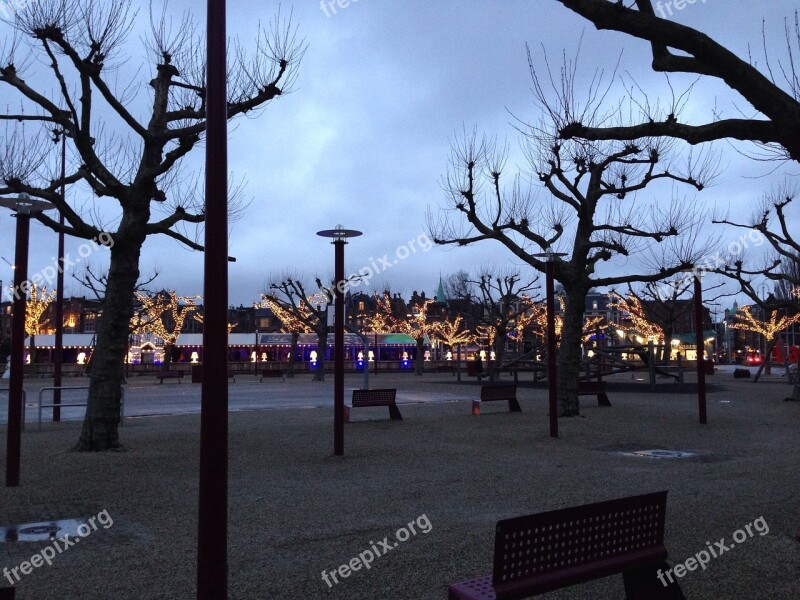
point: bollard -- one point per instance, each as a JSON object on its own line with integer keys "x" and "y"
{"x": 476, "y": 407}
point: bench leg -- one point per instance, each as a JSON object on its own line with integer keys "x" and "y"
{"x": 644, "y": 583}
{"x": 602, "y": 399}
{"x": 514, "y": 406}
{"x": 394, "y": 413}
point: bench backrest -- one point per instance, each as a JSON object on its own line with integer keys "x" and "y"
{"x": 564, "y": 546}
{"x": 502, "y": 391}
{"x": 376, "y": 397}
{"x": 591, "y": 387}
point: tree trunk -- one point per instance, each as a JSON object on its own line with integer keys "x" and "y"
{"x": 292, "y": 353}
{"x": 169, "y": 350}
{"x": 322, "y": 347}
{"x": 100, "y": 425}
{"x": 569, "y": 354}
{"x": 499, "y": 352}
{"x": 419, "y": 364}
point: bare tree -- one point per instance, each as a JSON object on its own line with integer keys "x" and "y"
{"x": 592, "y": 208}
{"x": 458, "y": 286}
{"x": 503, "y": 299}
{"x": 126, "y": 151}
{"x": 311, "y": 310}
{"x": 776, "y": 127}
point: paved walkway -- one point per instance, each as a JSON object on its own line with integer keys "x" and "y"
{"x": 296, "y": 511}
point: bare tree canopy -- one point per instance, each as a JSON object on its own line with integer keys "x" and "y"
{"x": 586, "y": 200}
{"x": 777, "y": 99}
{"x": 64, "y": 62}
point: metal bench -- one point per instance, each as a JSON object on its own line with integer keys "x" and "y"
{"x": 162, "y": 375}
{"x": 552, "y": 550}
{"x": 594, "y": 388}
{"x": 501, "y": 391}
{"x": 376, "y": 397}
{"x": 271, "y": 374}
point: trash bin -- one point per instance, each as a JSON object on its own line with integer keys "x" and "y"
{"x": 708, "y": 367}
{"x": 197, "y": 373}
{"x": 472, "y": 368}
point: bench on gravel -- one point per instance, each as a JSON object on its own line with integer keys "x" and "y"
{"x": 594, "y": 388}
{"x": 162, "y": 375}
{"x": 552, "y": 550}
{"x": 271, "y": 374}
{"x": 501, "y": 391}
{"x": 376, "y": 397}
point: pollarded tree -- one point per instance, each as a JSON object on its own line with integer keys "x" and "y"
{"x": 503, "y": 298}
{"x": 769, "y": 329}
{"x": 40, "y": 299}
{"x": 290, "y": 323}
{"x": 163, "y": 314}
{"x": 416, "y": 325}
{"x": 127, "y": 141}
{"x": 775, "y": 126}
{"x": 311, "y": 310}
{"x": 590, "y": 209}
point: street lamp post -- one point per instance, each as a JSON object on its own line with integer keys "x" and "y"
{"x": 58, "y": 354}
{"x": 339, "y": 235}
{"x": 552, "y": 366}
{"x": 699, "y": 343}
{"x": 212, "y": 513}
{"x": 24, "y": 206}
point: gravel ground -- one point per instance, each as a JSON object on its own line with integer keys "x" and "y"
{"x": 295, "y": 510}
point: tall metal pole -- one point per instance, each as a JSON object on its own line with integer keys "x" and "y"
{"x": 212, "y": 522}
{"x": 698, "y": 325}
{"x": 552, "y": 370}
{"x": 58, "y": 355}
{"x": 338, "y": 347}
{"x": 15, "y": 406}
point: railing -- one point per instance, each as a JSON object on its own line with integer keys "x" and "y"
{"x": 68, "y": 404}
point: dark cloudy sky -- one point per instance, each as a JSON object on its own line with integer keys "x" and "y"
{"x": 363, "y": 140}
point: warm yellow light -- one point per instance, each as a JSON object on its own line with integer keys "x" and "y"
{"x": 253, "y": 356}
{"x": 82, "y": 358}
{"x": 195, "y": 357}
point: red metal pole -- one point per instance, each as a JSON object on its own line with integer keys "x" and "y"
{"x": 552, "y": 369}
{"x": 698, "y": 325}
{"x": 338, "y": 348}
{"x": 212, "y": 534}
{"x": 15, "y": 404}
{"x": 58, "y": 355}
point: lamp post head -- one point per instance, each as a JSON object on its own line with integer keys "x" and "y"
{"x": 24, "y": 204}
{"x": 339, "y": 234}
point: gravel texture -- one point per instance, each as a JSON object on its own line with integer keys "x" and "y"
{"x": 296, "y": 510}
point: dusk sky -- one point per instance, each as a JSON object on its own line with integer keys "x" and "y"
{"x": 364, "y": 139}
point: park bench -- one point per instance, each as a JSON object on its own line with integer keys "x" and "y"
{"x": 552, "y": 550}
{"x": 162, "y": 375}
{"x": 501, "y": 391}
{"x": 376, "y": 397}
{"x": 445, "y": 369}
{"x": 271, "y": 374}
{"x": 594, "y": 388}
